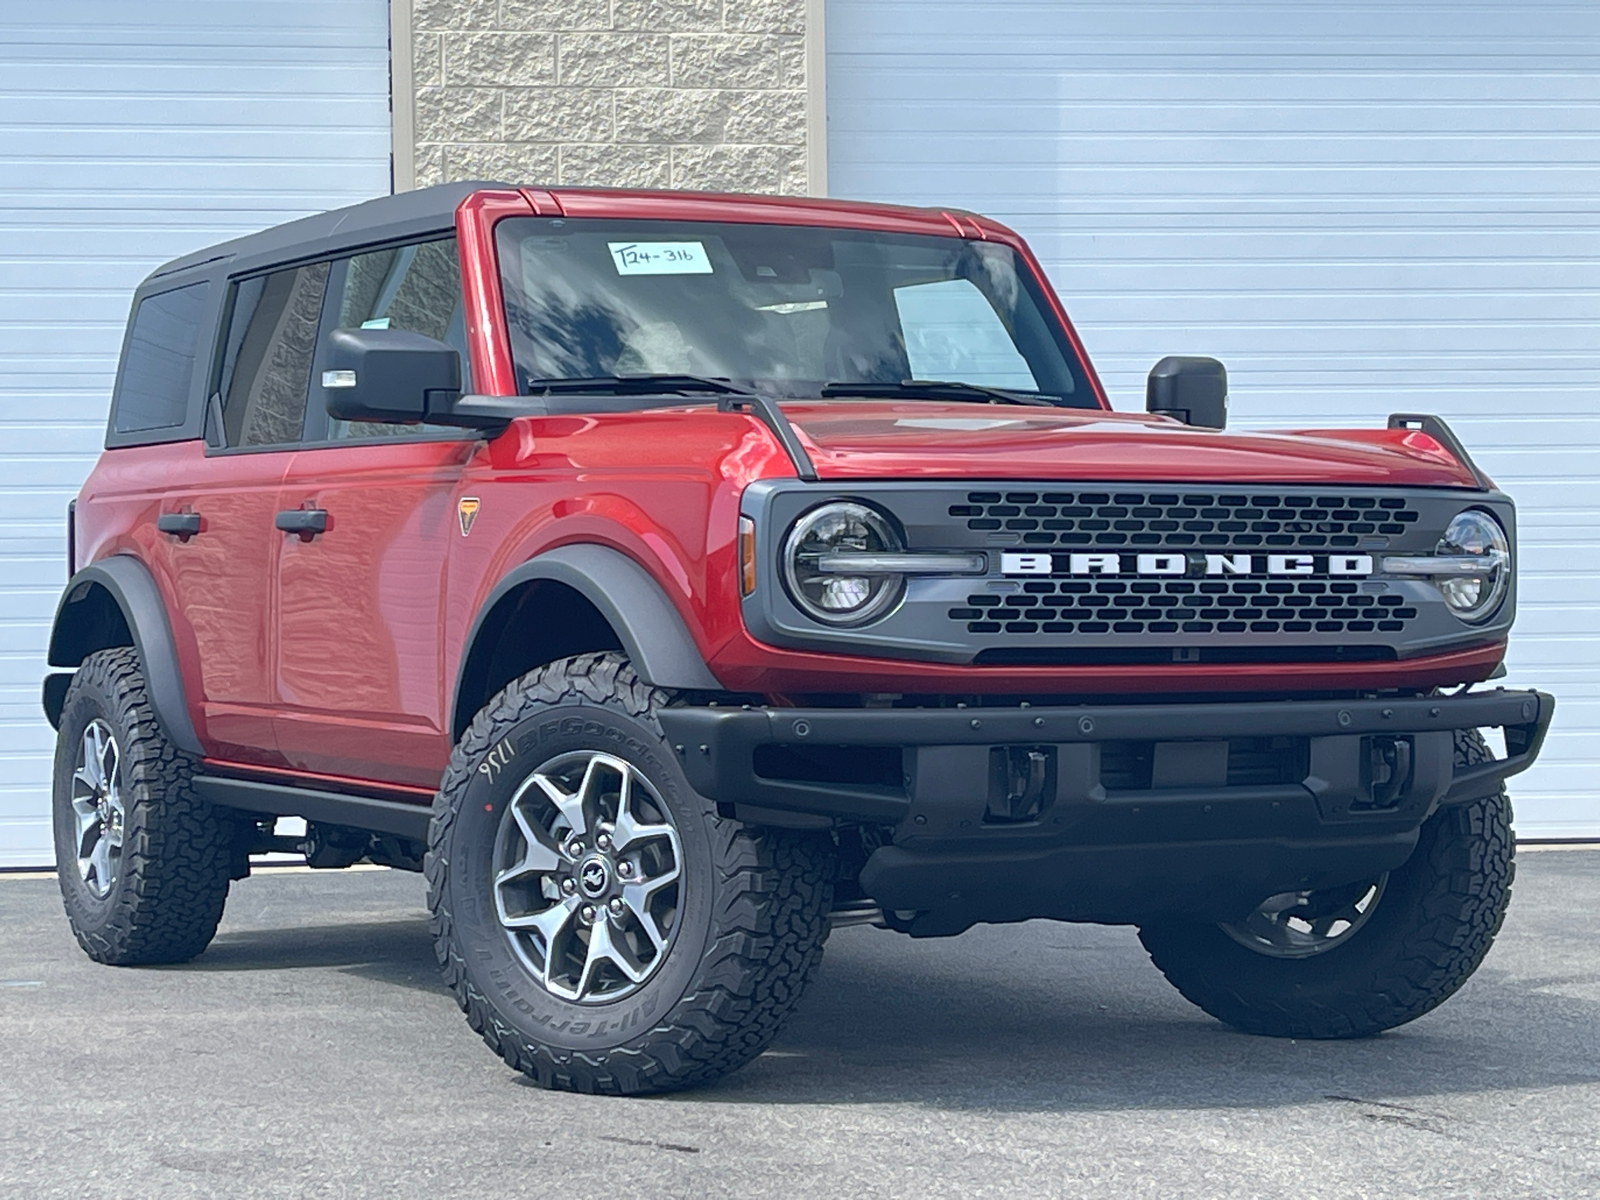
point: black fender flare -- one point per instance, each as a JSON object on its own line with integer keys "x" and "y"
{"x": 131, "y": 586}
{"x": 652, "y": 634}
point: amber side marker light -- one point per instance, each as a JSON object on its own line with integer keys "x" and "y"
{"x": 747, "y": 556}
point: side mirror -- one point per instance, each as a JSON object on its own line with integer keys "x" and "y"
{"x": 390, "y": 375}
{"x": 1194, "y": 390}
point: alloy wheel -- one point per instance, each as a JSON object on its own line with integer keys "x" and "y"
{"x": 588, "y": 877}
{"x": 1303, "y": 924}
{"x": 97, "y": 808}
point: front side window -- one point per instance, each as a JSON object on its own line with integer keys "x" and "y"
{"x": 158, "y": 366}
{"x": 266, "y": 358}
{"x": 415, "y": 288}
{"x": 787, "y": 309}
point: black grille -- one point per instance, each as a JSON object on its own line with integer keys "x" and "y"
{"x": 1174, "y": 519}
{"x": 1185, "y": 606}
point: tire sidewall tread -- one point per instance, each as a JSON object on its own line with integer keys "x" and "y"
{"x": 1438, "y": 917}
{"x": 757, "y": 915}
{"x": 178, "y": 851}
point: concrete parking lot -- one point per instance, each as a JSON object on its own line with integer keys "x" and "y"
{"x": 312, "y": 1052}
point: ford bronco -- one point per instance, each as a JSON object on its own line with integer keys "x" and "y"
{"x": 672, "y": 577}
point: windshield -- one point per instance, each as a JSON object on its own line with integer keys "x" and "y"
{"x": 788, "y": 310}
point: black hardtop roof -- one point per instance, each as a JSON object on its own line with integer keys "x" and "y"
{"x": 401, "y": 215}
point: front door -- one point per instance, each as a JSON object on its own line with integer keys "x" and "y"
{"x": 360, "y": 684}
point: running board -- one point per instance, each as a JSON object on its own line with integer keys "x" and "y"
{"x": 328, "y": 808}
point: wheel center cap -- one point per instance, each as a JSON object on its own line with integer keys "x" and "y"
{"x": 594, "y": 877}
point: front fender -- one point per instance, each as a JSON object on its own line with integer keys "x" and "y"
{"x": 652, "y": 633}
{"x": 87, "y": 620}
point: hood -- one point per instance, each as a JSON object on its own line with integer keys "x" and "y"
{"x": 858, "y": 439}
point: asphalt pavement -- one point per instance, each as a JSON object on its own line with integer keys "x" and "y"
{"x": 312, "y": 1052}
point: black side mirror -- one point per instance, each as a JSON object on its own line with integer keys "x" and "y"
{"x": 1194, "y": 390}
{"x": 389, "y": 375}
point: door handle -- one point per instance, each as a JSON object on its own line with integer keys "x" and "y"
{"x": 307, "y": 522}
{"x": 182, "y": 524}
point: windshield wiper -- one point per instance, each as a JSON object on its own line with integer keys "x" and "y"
{"x": 938, "y": 389}
{"x": 635, "y": 385}
{"x": 730, "y": 397}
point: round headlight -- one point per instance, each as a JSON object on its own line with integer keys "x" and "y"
{"x": 829, "y": 595}
{"x": 1475, "y": 534}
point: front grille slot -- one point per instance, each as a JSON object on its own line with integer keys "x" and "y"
{"x": 1252, "y": 762}
{"x": 1182, "y": 519}
{"x": 1185, "y": 606}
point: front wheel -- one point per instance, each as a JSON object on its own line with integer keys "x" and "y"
{"x": 1356, "y": 960}
{"x": 602, "y": 927}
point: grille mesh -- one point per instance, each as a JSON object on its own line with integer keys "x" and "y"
{"x": 1176, "y": 519}
{"x": 1184, "y": 606}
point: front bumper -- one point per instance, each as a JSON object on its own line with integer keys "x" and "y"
{"x": 1109, "y": 812}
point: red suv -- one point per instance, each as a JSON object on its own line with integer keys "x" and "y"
{"x": 670, "y": 577}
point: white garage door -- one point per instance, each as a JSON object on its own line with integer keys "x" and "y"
{"x": 1361, "y": 208}
{"x": 131, "y": 133}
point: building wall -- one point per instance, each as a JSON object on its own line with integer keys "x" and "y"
{"x": 707, "y": 94}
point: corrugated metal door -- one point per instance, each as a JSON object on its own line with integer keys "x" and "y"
{"x": 131, "y": 133}
{"x": 1361, "y": 208}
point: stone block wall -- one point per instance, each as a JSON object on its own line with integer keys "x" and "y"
{"x": 706, "y": 94}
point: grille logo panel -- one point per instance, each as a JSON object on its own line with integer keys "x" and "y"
{"x": 1182, "y": 563}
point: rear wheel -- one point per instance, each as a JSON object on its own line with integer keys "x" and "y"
{"x": 602, "y": 927}
{"x": 1356, "y": 960}
{"x": 144, "y": 865}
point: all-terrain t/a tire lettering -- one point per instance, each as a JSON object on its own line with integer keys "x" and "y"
{"x": 748, "y": 926}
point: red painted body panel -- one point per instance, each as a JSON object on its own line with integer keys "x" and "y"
{"x": 334, "y": 660}
{"x": 217, "y": 586}
{"x": 918, "y": 440}
{"x": 360, "y": 609}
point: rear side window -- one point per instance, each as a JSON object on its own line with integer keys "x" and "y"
{"x": 266, "y": 358}
{"x": 158, "y": 367}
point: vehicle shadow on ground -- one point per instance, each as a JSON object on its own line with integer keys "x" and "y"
{"x": 883, "y": 1026}
{"x": 1047, "y": 1018}
{"x": 397, "y": 952}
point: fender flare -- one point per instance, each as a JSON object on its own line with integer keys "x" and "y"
{"x": 131, "y": 586}
{"x": 652, "y": 633}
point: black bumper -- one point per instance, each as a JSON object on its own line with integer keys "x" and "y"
{"x": 1109, "y": 812}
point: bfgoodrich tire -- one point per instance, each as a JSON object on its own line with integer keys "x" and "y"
{"x": 144, "y": 865}
{"x": 601, "y": 926}
{"x": 1377, "y": 955}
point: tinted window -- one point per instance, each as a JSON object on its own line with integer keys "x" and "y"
{"x": 158, "y": 367}
{"x": 416, "y": 288}
{"x": 266, "y": 362}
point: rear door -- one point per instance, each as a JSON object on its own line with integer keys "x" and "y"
{"x": 222, "y": 573}
{"x": 360, "y": 653}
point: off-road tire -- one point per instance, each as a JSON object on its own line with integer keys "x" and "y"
{"x": 1434, "y": 922}
{"x": 178, "y": 852}
{"x": 750, "y": 931}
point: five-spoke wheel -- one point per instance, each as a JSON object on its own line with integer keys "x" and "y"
{"x": 588, "y": 876}
{"x": 97, "y": 807}
{"x": 1301, "y": 924}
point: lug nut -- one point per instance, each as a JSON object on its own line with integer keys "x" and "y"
{"x": 625, "y": 869}
{"x": 615, "y": 906}
{"x": 602, "y": 842}
{"x": 575, "y": 848}
{"x": 569, "y": 886}
{"x": 587, "y": 912}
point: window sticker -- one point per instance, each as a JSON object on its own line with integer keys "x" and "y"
{"x": 660, "y": 258}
